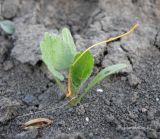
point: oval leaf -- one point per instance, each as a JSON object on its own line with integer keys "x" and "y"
{"x": 8, "y": 26}
{"x": 37, "y": 123}
{"x": 58, "y": 51}
{"x": 68, "y": 40}
{"x": 48, "y": 56}
{"x": 82, "y": 69}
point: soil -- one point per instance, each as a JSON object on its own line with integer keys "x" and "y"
{"x": 128, "y": 105}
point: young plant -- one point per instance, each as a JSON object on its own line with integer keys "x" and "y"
{"x": 59, "y": 54}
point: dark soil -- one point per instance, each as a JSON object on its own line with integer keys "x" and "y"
{"x": 128, "y": 107}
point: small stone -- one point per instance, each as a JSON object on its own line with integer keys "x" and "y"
{"x": 123, "y": 78}
{"x": 30, "y": 100}
{"x": 152, "y": 134}
{"x": 8, "y": 109}
{"x": 31, "y": 134}
{"x": 9, "y": 8}
{"x": 61, "y": 123}
{"x": 7, "y": 65}
{"x": 133, "y": 116}
{"x": 91, "y": 134}
{"x": 87, "y": 119}
{"x": 143, "y": 109}
{"x": 107, "y": 102}
{"x": 110, "y": 118}
{"x": 99, "y": 90}
{"x": 133, "y": 80}
{"x": 157, "y": 99}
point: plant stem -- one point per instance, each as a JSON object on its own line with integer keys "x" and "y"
{"x": 82, "y": 95}
{"x": 60, "y": 85}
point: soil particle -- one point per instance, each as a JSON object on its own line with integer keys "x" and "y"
{"x": 71, "y": 136}
{"x": 8, "y": 109}
{"x": 135, "y": 97}
{"x": 80, "y": 110}
{"x": 151, "y": 114}
{"x": 30, "y": 134}
{"x": 7, "y": 65}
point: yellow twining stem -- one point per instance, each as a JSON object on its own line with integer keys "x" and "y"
{"x": 108, "y": 40}
{"x": 68, "y": 94}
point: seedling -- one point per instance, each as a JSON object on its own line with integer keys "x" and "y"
{"x": 59, "y": 54}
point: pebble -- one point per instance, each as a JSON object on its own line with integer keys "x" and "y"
{"x": 110, "y": 118}
{"x": 91, "y": 134}
{"x": 7, "y": 65}
{"x": 8, "y": 109}
{"x": 61, "y": 123}
{"x": 133, "y": 80}
{"x": 9, "y": 8}
{"x": 157, "y": 99}
{"x": 99, "y": 90}
{"x": 143, "y": 109}
{"x": 30, "y": 100}
{"x": 87, "y": 119}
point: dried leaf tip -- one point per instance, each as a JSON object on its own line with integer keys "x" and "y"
{"x": 37, "y": 123}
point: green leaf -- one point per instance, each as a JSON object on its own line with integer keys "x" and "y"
{"x": 82, "y": 69}
{"x": 58, "y": 52}
{"x": 104, "y": 73}
{"x": 68, "y": 40}
{"x": 7, "y": 26}
{"x": 48, "y": 55}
